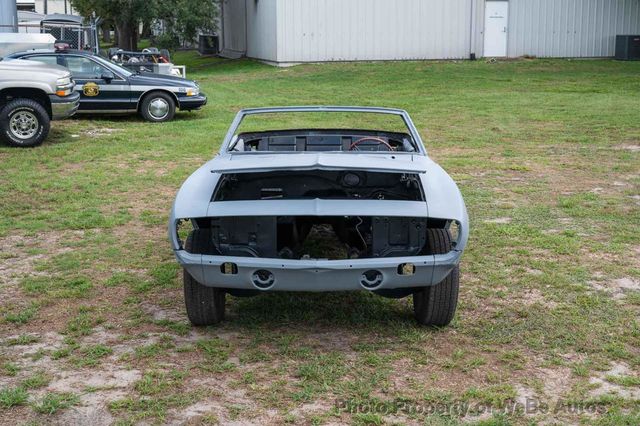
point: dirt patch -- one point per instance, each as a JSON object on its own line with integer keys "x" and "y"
{"x": 159, "y": 314}
{"x": 534, "y": 296}
{"x": 101, "y": 131}
{"x": 500, "y": 220}
{"x": 553, "y": 385}
{"x": 629, "y": 147}
{"x": 605, "y": 382}
{"x": 19, "y": 253}
{"x": 618, "y": 288}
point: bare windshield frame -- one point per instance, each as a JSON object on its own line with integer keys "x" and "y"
{"x": 231, "y": 133}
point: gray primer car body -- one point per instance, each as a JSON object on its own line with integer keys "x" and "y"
{"x": 442, "y": 201}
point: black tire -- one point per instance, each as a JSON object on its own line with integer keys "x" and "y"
{"x": 436, "y": 305}
{"x": 152, "y": 104}
{"x": 205, "y": 305}
{"x": 24, "y": 123}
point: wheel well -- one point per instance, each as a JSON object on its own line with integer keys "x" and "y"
{"x": 7, "y": 95}
{"x": 150, "y": 92}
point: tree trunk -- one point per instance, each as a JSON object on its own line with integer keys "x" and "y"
{"x": 106, "y": 33}
{"x": 146, "y": 30}
{"x": 127, "y": 35}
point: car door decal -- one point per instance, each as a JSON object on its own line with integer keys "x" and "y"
{"x": 91, "y": 89}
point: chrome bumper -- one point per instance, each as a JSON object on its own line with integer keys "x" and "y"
{"x": 64, "y": 107}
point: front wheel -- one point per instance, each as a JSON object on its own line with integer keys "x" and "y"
{"x": 205, "y": 305}
{"x": 435, "y": 305}
{"x": 24, "y": 123}
{"x": 158, "y": 107}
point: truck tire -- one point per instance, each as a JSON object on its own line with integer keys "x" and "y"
{"x": 435, "y": 305}
{"x": 205, "y": 305}
{"x": 158, "y": 107}
{"x": 24, "y": 123}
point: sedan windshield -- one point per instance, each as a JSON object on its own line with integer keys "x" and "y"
{"x": 125, "y": 72}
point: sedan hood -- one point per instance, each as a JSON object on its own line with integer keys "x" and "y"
{"x": 254, "y": 163}
{"x": 146, "y": 78}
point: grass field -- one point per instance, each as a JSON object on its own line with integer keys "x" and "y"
{"x": 546, "y": 153}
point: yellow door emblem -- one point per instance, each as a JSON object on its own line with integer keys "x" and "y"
{"x": 91, "y": 89}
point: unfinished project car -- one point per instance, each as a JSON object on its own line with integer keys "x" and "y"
{"x": 357, "y": 205}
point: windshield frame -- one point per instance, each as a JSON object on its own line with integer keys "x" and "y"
{"x": 231, "y": 136}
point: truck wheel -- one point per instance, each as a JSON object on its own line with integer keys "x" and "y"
{"x": 24, "y": 123}
{"x": 158, "y": 107}
{"x": 205, "y": 305}
{"x": 435, "y": 305}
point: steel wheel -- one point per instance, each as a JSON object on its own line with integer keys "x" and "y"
{"x": 24, "y": 125}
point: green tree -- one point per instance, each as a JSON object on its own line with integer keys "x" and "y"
{"x": 126, "y": 16}
{"x": 183, "y": 19}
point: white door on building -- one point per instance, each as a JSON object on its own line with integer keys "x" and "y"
{"x": 496, "y": 16}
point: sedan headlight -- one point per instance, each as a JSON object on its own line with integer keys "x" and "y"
{"x": 193, "y": 91}
{"x": 64, "y": 86}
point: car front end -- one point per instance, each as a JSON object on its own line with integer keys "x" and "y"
{"x": 320, "y": 210}
{"x": 64, "y": 101}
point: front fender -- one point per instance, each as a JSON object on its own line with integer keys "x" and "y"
{"x": 192, "y": 200}
{"x": 444, "y": 200}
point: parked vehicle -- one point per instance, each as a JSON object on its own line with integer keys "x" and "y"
{"x": 317, "y": 207}
{"x": 32, "y": 94}
{"x": 17, "y": 42}
{"x": 148, "y": 60}
{"x": 108, "y": 88}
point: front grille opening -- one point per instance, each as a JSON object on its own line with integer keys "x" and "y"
{"x": 317, "y": 237}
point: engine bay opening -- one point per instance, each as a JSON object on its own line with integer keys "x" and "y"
{"x": 298, "y": 185}
{"x": 316, "y": 237}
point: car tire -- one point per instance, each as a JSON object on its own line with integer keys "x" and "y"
{"x": 24, "y": 123}
{"x": 205, "y": 305}
{"x": 158, "y": 107}
{"x": 436, "y": 305}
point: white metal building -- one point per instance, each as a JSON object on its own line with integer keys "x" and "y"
{"x": 293, "y": 31}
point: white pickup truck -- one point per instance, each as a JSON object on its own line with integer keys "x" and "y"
{"x": 32, "y": 94}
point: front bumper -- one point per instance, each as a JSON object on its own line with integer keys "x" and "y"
{"x": 193, "y": 102}
{"x": 64, "y": 107}
{"x": 318, "y": 275}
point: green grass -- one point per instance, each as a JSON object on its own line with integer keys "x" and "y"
{"x": 36, "y": 380}
{"x": 547, "y": 147}
{"x": 10, "y": 397}
{"x": 55, "y": 401}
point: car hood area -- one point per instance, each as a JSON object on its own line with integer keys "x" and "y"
{"x": 23, "y": 65}
{"x": 144, "y": 79}
{"x": 258, "y": 162}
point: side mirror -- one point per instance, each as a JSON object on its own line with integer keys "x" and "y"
{"x": 107, "y": 76}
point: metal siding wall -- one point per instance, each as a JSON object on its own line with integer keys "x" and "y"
{"x": 570, "y": 28}
{"x": 262, "y": 29}
{"x": 346, "y": 30}
{"x": 234, "y": 31}
{"x": 8, "y": 16}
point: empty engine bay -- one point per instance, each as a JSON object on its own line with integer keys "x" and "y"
{"x": 316, "y": 237}
{"x": 290, "y": 185}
